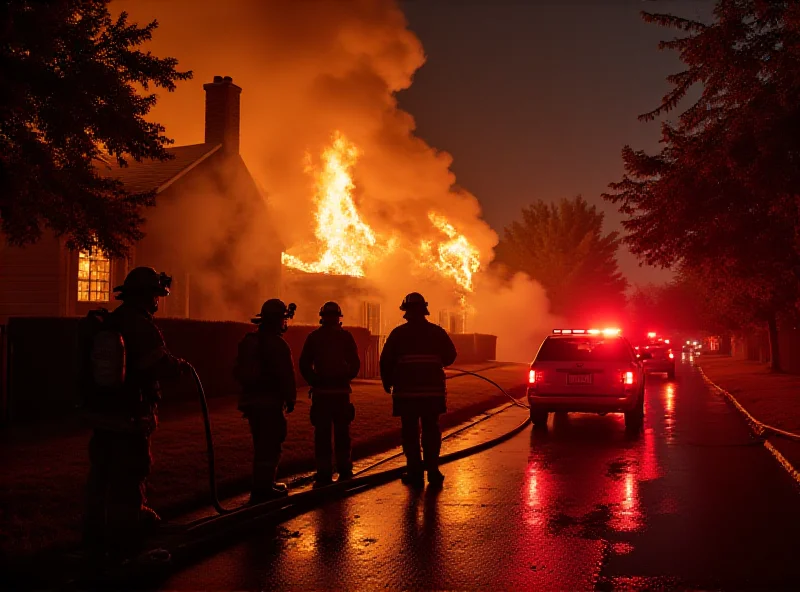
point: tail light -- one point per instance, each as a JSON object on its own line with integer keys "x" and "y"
{"x": 627, "y": 378}
{"x": 671, "y": 356}
{"x": 535, "y": 376}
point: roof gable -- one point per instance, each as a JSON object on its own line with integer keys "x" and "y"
{"x": 156, "y": 175}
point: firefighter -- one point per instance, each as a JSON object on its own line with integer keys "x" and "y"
{"x": 412, "y": 369}
{"x": 124, "y": 417}
{"x": 265, "y": 370}
{"x": 328, "y": 363}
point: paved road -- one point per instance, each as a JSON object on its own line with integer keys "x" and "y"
{"x": 693, "y": 502}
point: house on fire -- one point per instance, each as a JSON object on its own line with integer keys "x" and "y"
{"x": 200, "y": 183}
{"x": 208, "y": 209}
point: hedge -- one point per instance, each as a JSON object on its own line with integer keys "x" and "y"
{"x": 43, "y": 359}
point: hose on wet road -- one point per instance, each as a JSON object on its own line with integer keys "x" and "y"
{"x": 181, "y": 546}
{"x": 212, "y": 469}
{"x": 212, "y": 478}
{"x": 759, "y": 427}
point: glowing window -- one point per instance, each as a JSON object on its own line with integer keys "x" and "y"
{"x": 371, "y": 317}
{"x": 94, "y": 276}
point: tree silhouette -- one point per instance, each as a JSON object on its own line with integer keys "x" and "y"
{"x": 562, "y": 246}
{"x": 720, "y": 200}
{"x": 70, "y": 96}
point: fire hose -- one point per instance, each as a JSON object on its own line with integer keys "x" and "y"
{"x": 204, "y": 534}
{"x": 212, "y": 473}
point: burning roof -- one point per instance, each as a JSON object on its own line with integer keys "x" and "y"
{"x": 348, "y": 245}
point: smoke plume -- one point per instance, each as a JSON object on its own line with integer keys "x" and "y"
{"x": 308, "y": 69}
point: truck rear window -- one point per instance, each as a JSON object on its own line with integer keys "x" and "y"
{"x": 657, "y": 351}
{"x": 582, "y": 349}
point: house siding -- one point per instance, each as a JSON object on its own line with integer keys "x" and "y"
{"x": 31, "y": 279}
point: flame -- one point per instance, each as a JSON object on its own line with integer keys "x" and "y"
{"x": 348, "y": 244}
{"x": 455, "y": 258}
{"x": 348, "y": 241}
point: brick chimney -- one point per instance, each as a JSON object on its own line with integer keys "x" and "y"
{"x": 222, "y": 113}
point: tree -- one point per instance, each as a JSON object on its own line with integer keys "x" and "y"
{"x": 720, "y": 200}
{"x": 69, "y": 99}
{"x": 563, "y": 247}
{"x": 677, "y": 307}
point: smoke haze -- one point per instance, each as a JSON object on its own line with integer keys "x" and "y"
{"x": 308, "y": 69}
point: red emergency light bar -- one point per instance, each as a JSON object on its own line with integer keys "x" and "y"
{"x": 608, "y": 331}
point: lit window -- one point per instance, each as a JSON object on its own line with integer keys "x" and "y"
{"x": 371, "y": 317}
{"x": 94, "y": 276}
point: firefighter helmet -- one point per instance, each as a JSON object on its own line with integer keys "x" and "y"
{"x": 144, "y": 281}
{"x": 415, "y": 302}
{"x": 330, "y": 309}
{"x": 274, "y": 309}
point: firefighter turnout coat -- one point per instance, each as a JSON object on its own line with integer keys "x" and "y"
{"x": 412, "y": 367}
{"x": 265, "y": 370}
{"x": 329, "y": 362}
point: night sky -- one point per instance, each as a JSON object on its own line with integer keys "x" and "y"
{"x": 535, "y": 100}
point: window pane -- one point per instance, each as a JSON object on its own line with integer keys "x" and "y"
{"x": 94, "y": 281}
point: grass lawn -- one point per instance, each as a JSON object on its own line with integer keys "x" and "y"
{"x": 772, "y": 398}
{"x": 44, "y": 466}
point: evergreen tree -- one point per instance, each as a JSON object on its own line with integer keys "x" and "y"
{"x": 70, "y": 97}
{"x": 563, "y": 247}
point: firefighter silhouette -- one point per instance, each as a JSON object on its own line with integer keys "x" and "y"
{"x": 412, "y": 369}
{"x": 123, "y": 359}
{"x": 328, "y": 363}
{"x": 265, "y": 370}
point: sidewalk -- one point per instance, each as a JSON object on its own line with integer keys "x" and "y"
{"x": 43, "y": 474}
{"x": 773, "y": 399}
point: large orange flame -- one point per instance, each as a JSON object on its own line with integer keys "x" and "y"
{"x": 348, "y": 244}
{"x": 455, "y": 258}
{"x": 348, "y": 241}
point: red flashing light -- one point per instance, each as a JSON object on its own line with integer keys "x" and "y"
{"x": 666, "y": 341}
{"x": 671, "y": 356}
{"x": 608, "y": 332}
{"x": 651, "y": 335}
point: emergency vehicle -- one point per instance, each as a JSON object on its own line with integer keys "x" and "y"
{"x": 661, "y": 358}
{"x": 587, "y": 370}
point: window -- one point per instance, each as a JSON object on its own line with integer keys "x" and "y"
{"x": 579, "y": 349}
{"x": 94, "y": 276}
{"x": 371, "y": 317}
{"x": 454, "y": 322}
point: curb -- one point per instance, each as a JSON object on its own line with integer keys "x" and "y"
{"x": 759, "y": 429}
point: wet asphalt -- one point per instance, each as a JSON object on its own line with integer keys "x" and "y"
{"x": 693, "y": 502}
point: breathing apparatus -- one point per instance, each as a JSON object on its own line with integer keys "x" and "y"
{"x": 103, "y": 347}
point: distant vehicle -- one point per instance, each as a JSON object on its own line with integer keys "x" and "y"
{"x": 693, "y": 347}
{"x": 661, "y": 359}
{"x": 587, "y": 370}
